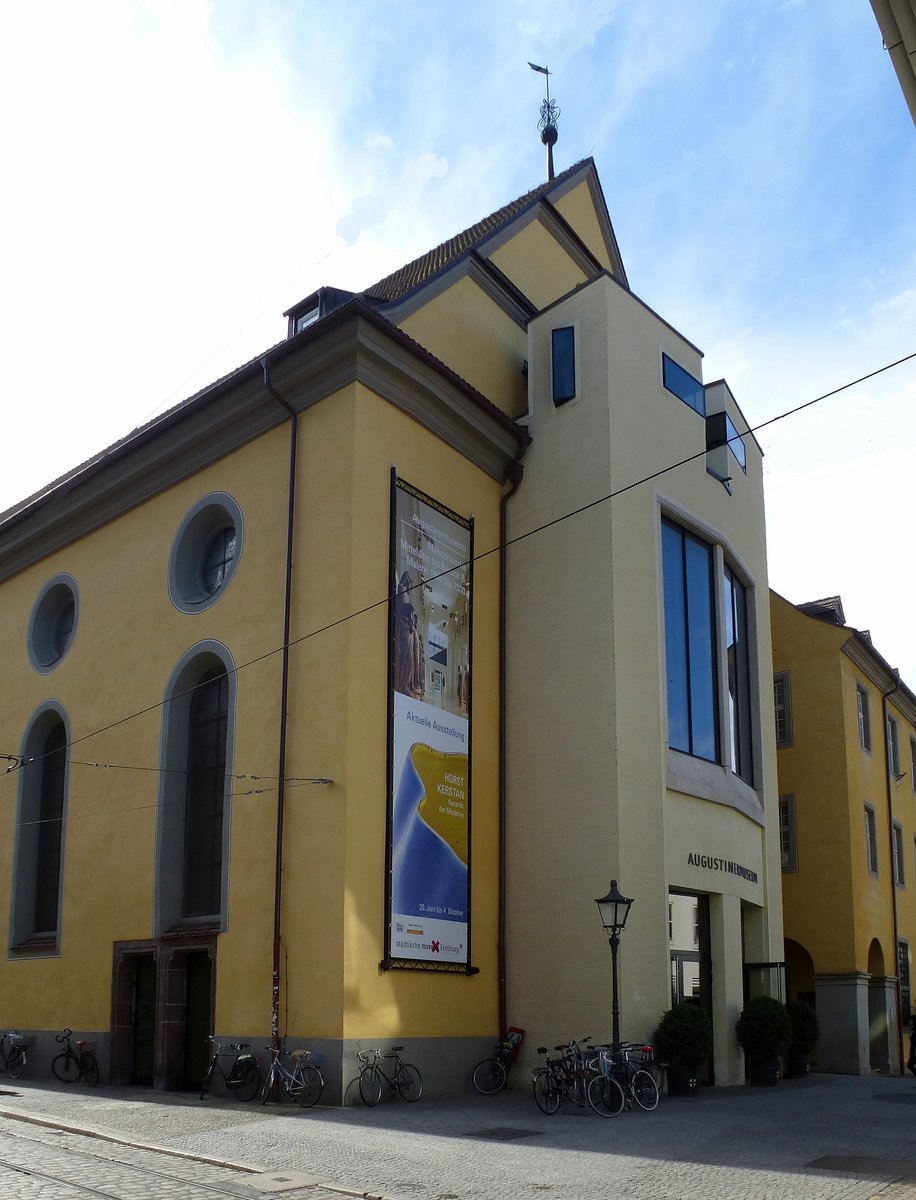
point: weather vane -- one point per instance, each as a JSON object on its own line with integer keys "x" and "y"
{"x": 550, "y": 113}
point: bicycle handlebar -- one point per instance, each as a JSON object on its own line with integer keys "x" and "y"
{"x": 64, "y": 1037}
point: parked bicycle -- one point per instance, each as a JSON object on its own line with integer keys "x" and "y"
{"x": 404, "y": 1079}
{"x": 80, "y": 1064}
{"x": 14, "y": 1059}
{"x": 244, "y": 1075}
{"x": 299, "y": 1075}
{"x": 492, "y": 1074}
{"x": 621, "y": 1079}
{"x": 563, "y": 1078}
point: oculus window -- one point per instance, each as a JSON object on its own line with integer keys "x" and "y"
{"x": 563, "y": 364}
{"x": 205, "y": 553}
{"x": 52, "y": 625}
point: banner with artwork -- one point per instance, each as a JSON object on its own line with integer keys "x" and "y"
{"x": 430, "y": 673}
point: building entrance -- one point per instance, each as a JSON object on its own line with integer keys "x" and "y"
{"x": 691, "y": 961}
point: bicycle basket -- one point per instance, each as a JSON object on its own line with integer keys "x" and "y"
{"x": 87, "y": 1047}
{"x": 22, "y": 1040}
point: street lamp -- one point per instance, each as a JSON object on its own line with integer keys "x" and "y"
{"x": 614, "y": 910}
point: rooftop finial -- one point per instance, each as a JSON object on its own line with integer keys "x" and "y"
{"x": 550, "y": 113}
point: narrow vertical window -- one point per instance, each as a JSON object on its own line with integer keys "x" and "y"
{"x": 739, "y": 681}
{"x": 862, "y": 712}
{"x": 893, "y": 749}
{"x": 871, "y": 840}
{"x": 203, "y": 860}
{"x": 788, "y": 844}
{"x": 897, "y": 845}
{"x": 563, "y": 350}
{"x": 50, "y": 831}
{"x": 913, "y": 764}
{"x": 782, "y": 707}
{"x": 690, "y": 643}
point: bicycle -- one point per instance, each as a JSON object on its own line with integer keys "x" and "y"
{"x": 304, "y": 1083}
{"x": 621, "y": 1079}
{"x": 72, "y": 1065}
{"x": 492, "y": 1074}
{"x": 405, "y": 1078}
{"x": 243, "y": 1077}
{"x": 560, "y": 1079}
{"x": 15, "y": 1060}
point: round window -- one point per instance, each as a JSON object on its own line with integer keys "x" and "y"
{"x": 205, "y": 553}
{"x": 52, "y": 625}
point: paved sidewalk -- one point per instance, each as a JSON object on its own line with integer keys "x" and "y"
{"x": 825, "y": 1137}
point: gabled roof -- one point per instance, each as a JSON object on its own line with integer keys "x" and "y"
{"x": 830, "y": 609}
{"x": 430, "y": 264}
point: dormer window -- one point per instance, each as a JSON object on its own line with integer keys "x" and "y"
{"x": 307, "y": 318}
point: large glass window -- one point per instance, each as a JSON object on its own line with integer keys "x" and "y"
{"x": 788, "y": 844}
{"x": 782, "y": 705}
{"x": 864, "y": 722}
{"x": 50, "y": 830}
{"x": 871, "y": 840}
{"x": 893, "y": 748}
{"x": 690, "y": 643}
{"x": 683, "y": 385}
{"x": 739, "y": 678}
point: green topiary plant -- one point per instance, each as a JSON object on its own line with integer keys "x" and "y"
{"x": 684, "y": 1037}
{"x": 764, "y": 1030}
{"x": 805, "y": 1030}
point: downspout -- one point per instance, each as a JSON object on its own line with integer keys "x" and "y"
{"x": 284, "y": 692}
{"x": 890, "y": 826}
{"x": 514, "y": 474}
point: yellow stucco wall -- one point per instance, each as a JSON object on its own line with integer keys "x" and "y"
{"x": 129, "y": 639}
{"x": 538, "y": 265}
{"x": 479, "y": 341}
{"x": 577, "y": 207}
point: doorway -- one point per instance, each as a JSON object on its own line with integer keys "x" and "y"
{"x": 691, "y": 959}
{"x": 197, "y": 1008}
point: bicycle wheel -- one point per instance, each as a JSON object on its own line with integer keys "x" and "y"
{"x": 409, "y": 1082}
{"x": 66, "y": 1067}
{"x": 89, "y": 1069}
{"x": 645, "y": 1090}
{"x": 489, "y": 1077}
{"x": 370, "y": 1085}
{"x": 17, "y": 1061}
{"x": 546, "y": 1091}
{"x": 307, "y": 1087}
{"x": 605, "y": 1096}
{"x": 246, "y": 1080}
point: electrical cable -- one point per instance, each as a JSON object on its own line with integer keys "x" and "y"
{"x": 604, "y": 499}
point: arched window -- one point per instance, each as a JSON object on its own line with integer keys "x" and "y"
{"x": 203, "y": 855}
{"x": 40, "y": 835}
{"x": 193, "y": 839}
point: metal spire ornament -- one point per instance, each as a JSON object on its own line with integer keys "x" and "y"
{"x": 550, "y": 113}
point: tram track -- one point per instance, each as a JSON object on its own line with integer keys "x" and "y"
{"x": 109, "y": 1162}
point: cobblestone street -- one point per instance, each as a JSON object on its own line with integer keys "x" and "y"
{"x": 824, "y": 1138}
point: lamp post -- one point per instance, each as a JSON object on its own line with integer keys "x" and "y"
{"x": 614, "y": 910}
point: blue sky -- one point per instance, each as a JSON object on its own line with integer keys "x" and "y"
{"x": 178, "y": 173}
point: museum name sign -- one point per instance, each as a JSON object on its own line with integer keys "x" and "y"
{"x": 708, "y": 863}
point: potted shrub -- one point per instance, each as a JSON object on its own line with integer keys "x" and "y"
{"x": 683, "y": 1041}
{"x": 764, "y": 1032}
{"x": 805, "y": 1033}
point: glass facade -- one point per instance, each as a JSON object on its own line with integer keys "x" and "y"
{"x": 683, "y": 385}
{"x": 690, "y": 644}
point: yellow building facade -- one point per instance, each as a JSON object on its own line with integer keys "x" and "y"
{"x": 252, "y": 790}
{"x": 846, "y": 732}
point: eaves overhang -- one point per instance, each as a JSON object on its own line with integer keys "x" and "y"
{"x": 859, "y": 649}
{"x": 352, "y": 344}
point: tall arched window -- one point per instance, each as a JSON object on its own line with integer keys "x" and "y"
{"x": 203, "y": 854}
{"x": 40, "y": 835}
{"x": 193, "y": 839}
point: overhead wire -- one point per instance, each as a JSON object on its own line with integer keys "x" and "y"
{"x": 479, "y": 557}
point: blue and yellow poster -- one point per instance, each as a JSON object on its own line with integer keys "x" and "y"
{"x": 430, "y": 752}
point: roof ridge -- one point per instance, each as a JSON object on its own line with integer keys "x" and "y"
{"x": 394, "y": 285}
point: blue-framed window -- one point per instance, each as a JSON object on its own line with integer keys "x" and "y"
{"x": 563, "y": 361}
{"x": 720, "y": 430}
{"x": 683, "y": 385}
{"x": 690, "y": 643}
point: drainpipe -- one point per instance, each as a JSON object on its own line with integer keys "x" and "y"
{"x": 890, "y": 825}
{"x": 514, "y": 474}
{"x": 284, "y": 691}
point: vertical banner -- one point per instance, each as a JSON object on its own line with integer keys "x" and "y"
{"x": 430, "y": 690}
